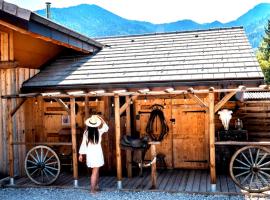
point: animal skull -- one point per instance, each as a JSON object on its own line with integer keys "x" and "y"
{"x": 225, "y": 116}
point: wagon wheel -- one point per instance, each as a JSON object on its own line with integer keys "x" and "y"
{"x": 42, "y": 165}
{"x": 250, "y": 168}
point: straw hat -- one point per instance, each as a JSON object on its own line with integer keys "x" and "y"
{"x": 93, "y": 121}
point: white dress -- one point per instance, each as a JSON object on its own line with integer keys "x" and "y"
{"x": 94, "y": 153}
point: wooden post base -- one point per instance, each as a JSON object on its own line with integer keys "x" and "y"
{"x": 76, "y": 183}
{"x": 11, "y": 181}
{"x": 119, "y": 185}
{"x": 213, "y": 187}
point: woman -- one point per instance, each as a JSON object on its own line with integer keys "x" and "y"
{"x": 91, "y": 147}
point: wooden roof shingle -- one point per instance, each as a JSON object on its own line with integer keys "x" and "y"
{"x": 205, "y": 55}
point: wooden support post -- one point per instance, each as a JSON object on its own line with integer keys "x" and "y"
{"x": 74, "y": 142}
{"x": 10, "y": 142}
{"x": 153, "y": 165}
{"x": 212, "y": 140}
{"x": 117, "y": 140}
{"x": 86, "y": 107}
{"x": 128, "y": 132}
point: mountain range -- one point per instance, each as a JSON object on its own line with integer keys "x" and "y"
{"x": 94, "y": 21}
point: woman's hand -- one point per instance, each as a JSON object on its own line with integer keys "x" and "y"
{"x": 80, "y": 157}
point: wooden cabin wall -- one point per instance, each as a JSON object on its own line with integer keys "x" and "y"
{"x": 11, "y": 81}
{"x": 256, "y": 119}
{"x": 254, "y": 115}
{"x": 190, "y": 127}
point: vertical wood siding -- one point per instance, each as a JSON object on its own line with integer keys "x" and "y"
{"x": 10, "y": 83}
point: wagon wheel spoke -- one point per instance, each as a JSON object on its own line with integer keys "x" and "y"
{"x": 34, "y": 163}
{"x": 242, "y": 163}
{"x": 241, "y": 174}
{"x": 250, "y": 168}
{"x": 52, "y": 168}
{"x": 48, "y": 159}
{"x": 51, "y": 163}
{"x": 262, "y": 178}
{"x": 267, "y": 163}
{"x": 49, "y": 172}
{"x": 34, "y": 172}
{"x": 251, "y": 181}
{"x": 46, "y": 174}
{"x": 41, "y": 154}
{"x": 245, "y": 158}
{"x": 257, "y": 156}
{"x": 251, "y": 157}
{"x": 38, "y": 158}
{"x": 33, "y": 167}
{"x": 264, "y": 156}
{"x": 246, "y": 168}
{"x": 45, "y": 156}
{"x": 243, "y": 181}
{"x": 33, "y": 158}
{"x": 42, "y": 165}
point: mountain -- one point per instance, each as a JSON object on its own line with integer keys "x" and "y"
{"x": 95, "y": 21}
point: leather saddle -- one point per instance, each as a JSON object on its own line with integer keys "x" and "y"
{"x": 136, "y": 143}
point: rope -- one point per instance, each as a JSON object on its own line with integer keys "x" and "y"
{"x": 156, "y": 112}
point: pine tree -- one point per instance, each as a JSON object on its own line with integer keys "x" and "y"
{"x": 263, "y": 53}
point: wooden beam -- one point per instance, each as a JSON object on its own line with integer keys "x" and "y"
{"x": 11, "y": 46}
{"x": 74, "y": 142}
{"x": 10, "y": 141}
{"x": 224, "y": 100}
{"x": 4, "y": 46}
{"x": 8, "y": 64}
{"x": 198, "y": 100}
{"x": 117, "y": 140}
{"x": 127, "y": 104}
{"x": 62, "y": 104}
{"x": 212, "y": 139}
{"x": 18, "y": 107}
{"x": 38, "y": 36}
{"x": 128, "y": 132}
{"x": 86, "y": 107}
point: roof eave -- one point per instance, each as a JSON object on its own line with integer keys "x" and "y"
{"x": 174, "y": 83}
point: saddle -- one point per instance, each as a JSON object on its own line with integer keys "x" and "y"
{"x": 134, "y": 143}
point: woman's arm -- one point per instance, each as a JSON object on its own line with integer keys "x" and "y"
{"x": 104, "y": 127}
{"x": 83, "y": 147}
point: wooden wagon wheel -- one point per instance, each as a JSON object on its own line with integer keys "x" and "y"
{"x": 42, "y": 165}
{"x": 250, "y": 168}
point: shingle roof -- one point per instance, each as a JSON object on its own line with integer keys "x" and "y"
{"x": 204, "y": 55}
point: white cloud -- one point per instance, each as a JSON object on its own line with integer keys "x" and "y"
{"x": 160, "y": 11}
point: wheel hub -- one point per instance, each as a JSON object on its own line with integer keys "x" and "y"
{"x": 41, "y": 165}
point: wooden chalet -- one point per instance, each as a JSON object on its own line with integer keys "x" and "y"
{"x": 49, "y": 72}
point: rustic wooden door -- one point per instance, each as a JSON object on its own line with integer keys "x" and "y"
{"x": 190, "y": 138}
{"x": 142, "y": 112}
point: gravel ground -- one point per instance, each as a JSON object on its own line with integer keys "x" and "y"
{"x": 79, "y": 194}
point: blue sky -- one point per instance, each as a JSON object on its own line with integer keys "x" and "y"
{"x": 160, "y": 11}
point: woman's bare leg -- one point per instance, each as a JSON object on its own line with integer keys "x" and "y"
{"x": 94, "y": 179}
{"x": 97, "y": 183}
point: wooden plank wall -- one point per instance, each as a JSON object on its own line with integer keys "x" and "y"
{"x": 256, "y": 119}
{"x": 10, "y": 83}
{"x": 190, "y": 126}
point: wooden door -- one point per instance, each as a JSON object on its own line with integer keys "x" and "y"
{"x": 142, "y": 111}
{"x": 190, "y": 140}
